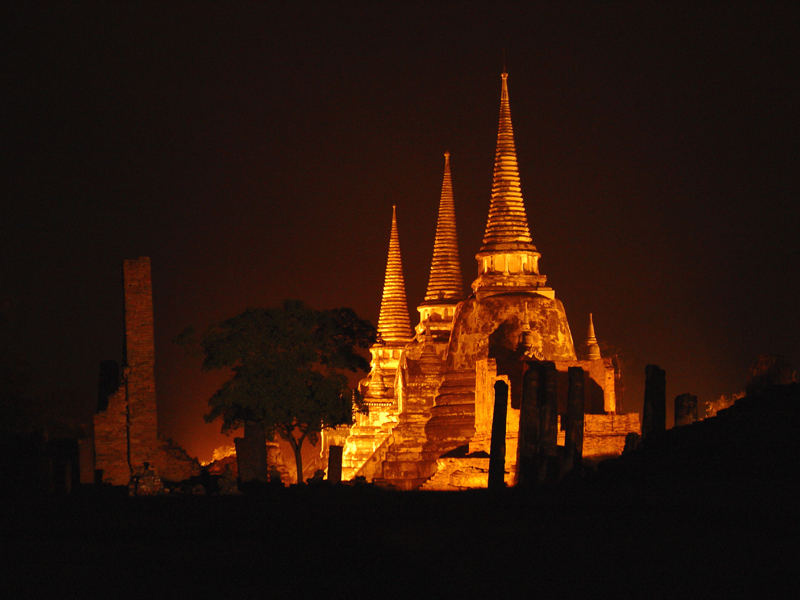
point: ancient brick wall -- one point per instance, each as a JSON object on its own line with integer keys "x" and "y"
{"x": 604, "y": 435}
{"x": 111, "y": 440}
{"x": 126, "y": 431}
{"x": 600, "y": 387}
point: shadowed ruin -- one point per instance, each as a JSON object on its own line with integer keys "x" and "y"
{"x": 126, "y": 440}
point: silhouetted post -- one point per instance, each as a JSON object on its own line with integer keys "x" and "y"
{"x": 497, "y": 451}
{"x": 528, "y": 426}
{"x": 86, "y": 461}
{"x": 654, "y": 417}
{"x": 576, "y": 401}
{"x": 685, "y": 409}
{"x": 251, "y": 453}
{"x": 548, "y": 421}
{"x": 335, "y": 464}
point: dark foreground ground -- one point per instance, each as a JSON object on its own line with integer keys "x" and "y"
{"x": 361, "y": 542}
{"x": 705, "y": 512}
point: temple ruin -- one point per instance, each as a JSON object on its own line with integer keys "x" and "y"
{"x": 431, "y": 390}
{"x": 126, "y": 440}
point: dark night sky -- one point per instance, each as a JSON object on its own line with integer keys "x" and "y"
{"x": 254, "y": 153}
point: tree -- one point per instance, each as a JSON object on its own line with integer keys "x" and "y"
{"x": 289, "y": 370}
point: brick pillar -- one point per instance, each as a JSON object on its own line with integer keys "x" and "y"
{"x": 140, "y": 362}
{"x": 548, "y": 421}
{"x": 497, "y": 450}
{"x": 654, "y": 415}
{"x": 538, "y": 424}
{"x": 685, "y": 409}
{"x": 251, "y": 454}
{"x": 576, "y": 401}
{"x": 335, "y": 463}
{"x": 528, "y": 426}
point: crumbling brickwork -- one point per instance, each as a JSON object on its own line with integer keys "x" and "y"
{"x": 111, "y": 440}
{"x": 604, "y": 435}
{"x": 126, "y": 429}
{"x": 140, "y": 379}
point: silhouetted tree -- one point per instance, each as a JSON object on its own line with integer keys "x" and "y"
{"x": 288, "y": 368}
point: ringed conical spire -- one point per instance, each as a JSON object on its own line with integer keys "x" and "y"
{"x": 445, "y": 281}
{"x": 507, "y": 225}
{"x": 393, "y": 322}
{"x": 592, "y": 347}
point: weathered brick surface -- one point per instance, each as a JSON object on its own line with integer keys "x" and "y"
{"x": 111, "y": 440}
{"x": 140, "y": 360}
{"x": 126, "y": 432}
{"x": 604, "y": 435}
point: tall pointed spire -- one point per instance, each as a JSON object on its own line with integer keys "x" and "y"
{"x": 508, "y": 260}
{"x": 592, "y": 347}
{"x": 445, "y": 282}
{"x": 507, "y": 225}
{"x": 393, "y": 322}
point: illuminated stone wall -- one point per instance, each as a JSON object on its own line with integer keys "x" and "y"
{"x": 604, "y": 435}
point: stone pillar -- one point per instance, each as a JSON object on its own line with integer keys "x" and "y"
{"x": 538, "y": 424}
{"x": 251, "y": 454}
{"x": 576, "y": 401}
{"x": 335, "y": 463}
{"x": 548, "y": 421}
{"x": 654, "y": 416}
{"x": 140, "y": 362}
{"x": 685, "y": 409}
{"x": 528, "y": 426}
{"x": 86, "y": 461}
{"x": 497, "y": 452}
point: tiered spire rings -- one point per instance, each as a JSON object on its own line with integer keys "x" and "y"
{"x": 393, "y": 322}
{"x": 592, "y": 347}
{"x": 445, "y": 282}
{"x": 507, "y": 226}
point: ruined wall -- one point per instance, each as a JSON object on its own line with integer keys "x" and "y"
{"x": 604, "y": 435}
{"x": 600, "y": 385}
{"x": 126, "y": 432}
{"x": 111, "y": 440}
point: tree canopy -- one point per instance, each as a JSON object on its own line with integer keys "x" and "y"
{"x": 289, "y": 369}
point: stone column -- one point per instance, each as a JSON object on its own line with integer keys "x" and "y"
{"x": 548, "y": 421}
{"x": 335, "y": 463}
{"x": 685, "y": 409}
{"x": 576, "y": 401}
{"x": 655, "y": 389}
{"x": 251, "y": 454}
{"x": 528, "y": 426}
{"x": 497, "y": 452}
